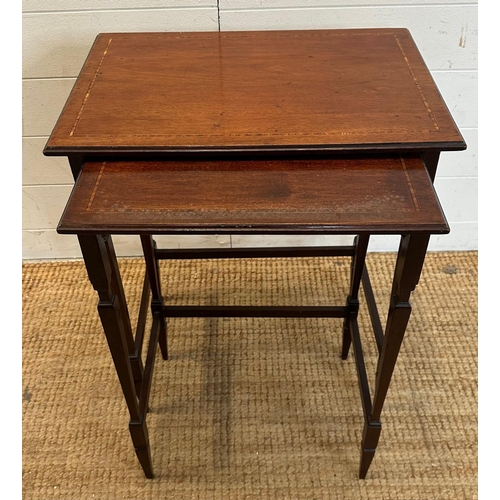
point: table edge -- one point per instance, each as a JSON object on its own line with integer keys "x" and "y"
{"x": 326, "y": 148}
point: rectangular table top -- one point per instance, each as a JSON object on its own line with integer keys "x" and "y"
{"x": 385, "y": 195}
{"x": 322, "y": 90}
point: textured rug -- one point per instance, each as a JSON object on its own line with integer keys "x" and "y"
{"x": 251, "y": 408}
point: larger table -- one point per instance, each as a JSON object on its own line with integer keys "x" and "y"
{"x": 286, "y": 114}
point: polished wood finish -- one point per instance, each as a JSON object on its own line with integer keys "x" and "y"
{"x": 344, "y": 196}
{"x": 255, "y": 252}
{"x": 252, "y": 133}
{"x": 309, "y": 91}
{"x": 352, "y": 303}
{"x": 361, "y": 195}
{"x": 378, "y": 331}
{"x": 153, "y": 272}
{"x": 409, "y": 264}
{"x": 100, "y": 260}
{"x": 255, "y": 311}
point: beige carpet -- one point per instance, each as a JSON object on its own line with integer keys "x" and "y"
{"x": 248, "y": 409}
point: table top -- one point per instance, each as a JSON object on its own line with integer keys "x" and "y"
{"x": 292, "y": 91}
{"x": 347, "y": 195}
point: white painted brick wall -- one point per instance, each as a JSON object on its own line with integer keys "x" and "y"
{"x": 57, "y": 35}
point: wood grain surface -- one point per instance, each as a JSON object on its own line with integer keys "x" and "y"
{"x": 322, "y": 90}
{"x": 343, "y": 196}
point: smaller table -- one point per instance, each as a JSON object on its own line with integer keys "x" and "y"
{"x": 362, "y": 195}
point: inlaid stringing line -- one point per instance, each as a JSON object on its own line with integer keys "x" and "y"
{"x": 429, "y": 111}
{"x": 90, "y": 88}
{"x": 94, "y": 190}
{"x": 427, "y": 106}
{"x": 410, "y": 185}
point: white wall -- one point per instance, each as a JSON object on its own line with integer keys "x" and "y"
{"x": 57, "y": 35}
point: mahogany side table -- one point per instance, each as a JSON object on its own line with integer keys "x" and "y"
{"x": 331, "y": 131}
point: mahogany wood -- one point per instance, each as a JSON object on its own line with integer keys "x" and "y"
{"x": 352, "y": 302}
{"x": 255, "y": 311}
{"x": 364, "y": 386}
{"x": 153, "y": 271}
{"x": 150, "y": 361}
{"x": 254, "y": 253}
{"x": 322, "y": 90}
{"x": 142, "y": 316}
{"x": 246, "y": 106}
{"x": 100, "y": 259}
{"x": 117, "y": 286}
{"x": 371, "y": 304}
{"x": 384, "y": 195}
{"x": 409, "y": 263}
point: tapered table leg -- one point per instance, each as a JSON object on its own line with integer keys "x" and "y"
{"x": 431, "y": 160}
{"x": 407, "y": 272}
{"x": 117, "y": 286}
{"x": 153, "y": 271}
{"x": 102, "y": 269}
{"x": 357, "y": 266}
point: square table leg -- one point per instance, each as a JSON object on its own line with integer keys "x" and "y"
{"x": 153, "y": 273}
{"x": 357, "y": 267}
{"x": 102, "y": 268}
{"x": 407, "y": 272}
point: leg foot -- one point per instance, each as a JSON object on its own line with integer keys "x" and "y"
{"x": 140, "y": 439}
{"x": 102, "y": 269}
{"x": 366, "y": 460}
{"x": 346, "y": 340}
{"x": 162, "y": 339}
{"x": 407, "y": 272}
{"x": 371, "y": 435}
